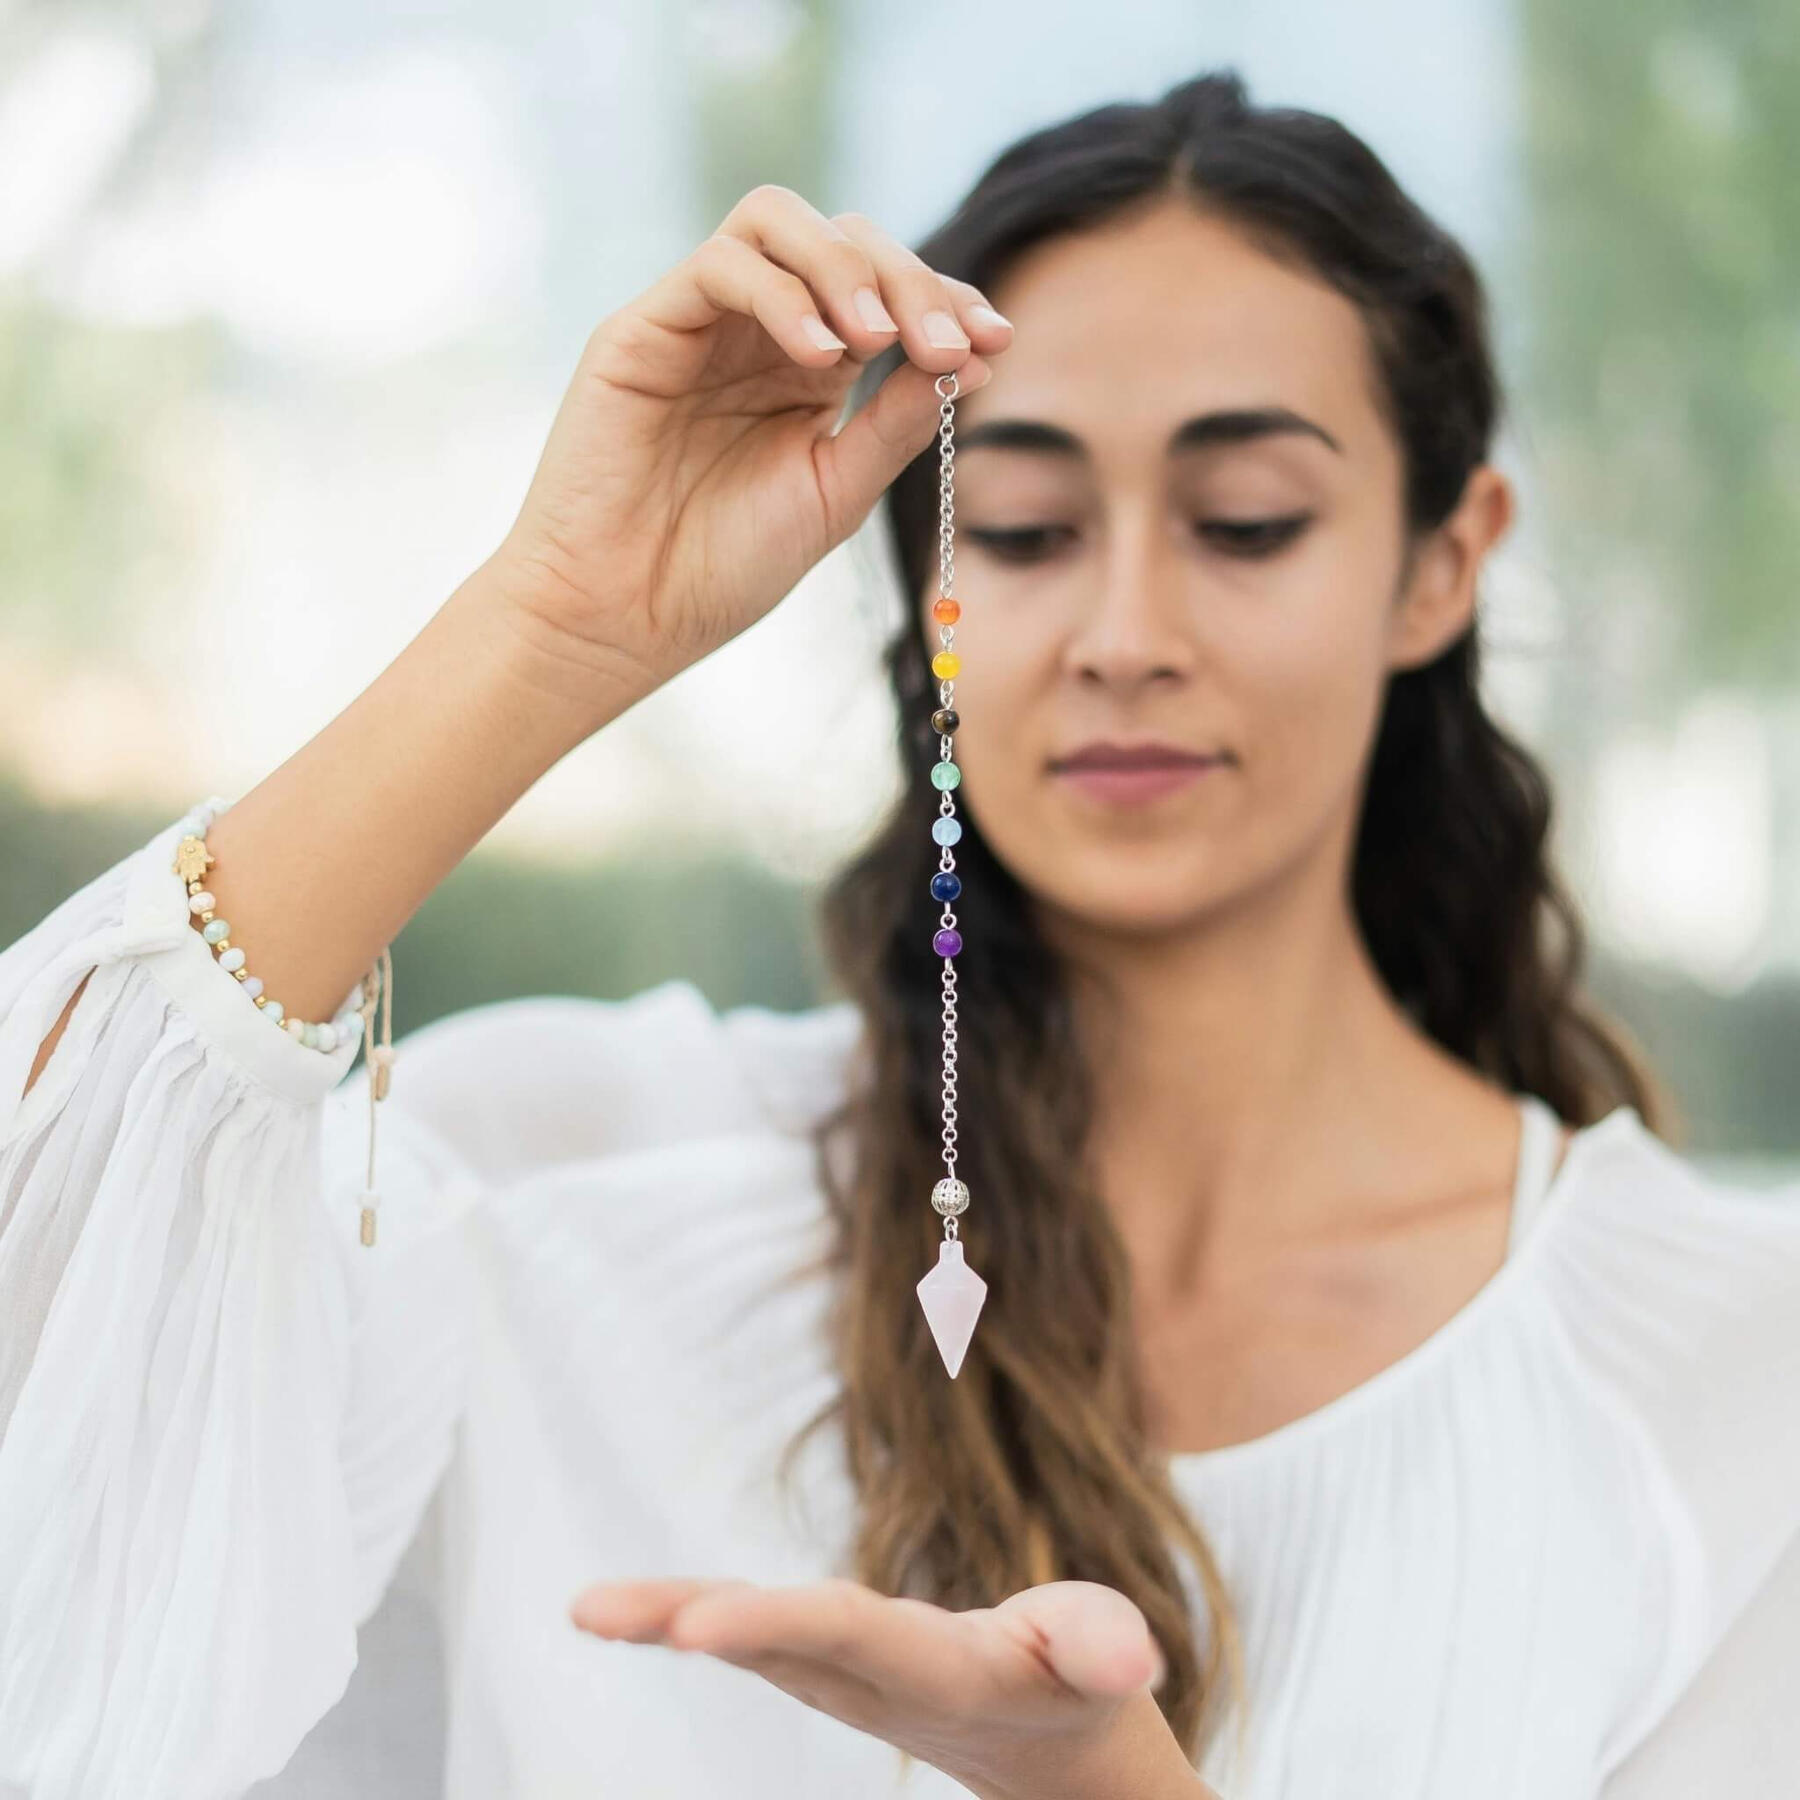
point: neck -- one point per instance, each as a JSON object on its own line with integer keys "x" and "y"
{"x": 1254, "y": 1077}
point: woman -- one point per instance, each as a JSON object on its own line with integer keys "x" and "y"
{"x": 1366, "y": 1401}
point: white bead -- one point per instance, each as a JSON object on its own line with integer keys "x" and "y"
{"x": 295, "y": 1028}
{"x": 231, "y": 960}
{"x": 201, "y": 902}
{"x": 253, "y": 985}
{"x": 350, "y": 1027}
{"x": 272, "y": 1009}
{"x": 327, "y": 1037}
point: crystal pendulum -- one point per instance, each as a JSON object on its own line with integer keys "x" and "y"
{"x": 951, "y": 1293}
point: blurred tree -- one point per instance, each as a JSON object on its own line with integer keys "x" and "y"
{"x": 763, "y": 90}
{"x": 85, "y": 497}
{"x": 1661, "y": 141}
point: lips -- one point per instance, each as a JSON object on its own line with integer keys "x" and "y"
{"x": 1111, "y": 757}
{"x": 1131, "y": 774}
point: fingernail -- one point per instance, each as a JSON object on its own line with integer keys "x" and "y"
{"x": 870, "y": 310}
{"x": 988, "y": 316}
{"x": 821, "y": 333}
{"x": 942, "y": 330}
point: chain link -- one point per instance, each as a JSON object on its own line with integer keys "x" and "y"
{"x": 947, "y": 806}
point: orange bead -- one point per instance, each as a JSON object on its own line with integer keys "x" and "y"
{"x": 946, "y": 611}
{"x": 946, "y": 664}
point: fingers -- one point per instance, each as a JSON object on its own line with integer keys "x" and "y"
{"x": 858, "y": 462}
{"x": 939, "y": 316}
{"x": 636, "y": 1611}
{"x": 839, "y": 1623}
{"x": 825, "y": 288}
{"x": 1091, "y": 1637}
{"x": 726, "y": 274}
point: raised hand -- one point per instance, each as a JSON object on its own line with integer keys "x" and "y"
{"x": 694, "y": 471}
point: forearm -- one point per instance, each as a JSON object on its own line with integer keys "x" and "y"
{"x": 323, "y": 862}
{"x": 1139, "y": 1759}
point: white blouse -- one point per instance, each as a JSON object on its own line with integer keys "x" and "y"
{"x": 1552, "y": 1552}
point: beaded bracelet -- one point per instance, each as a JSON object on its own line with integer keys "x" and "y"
{"x": 354, "y": 1021}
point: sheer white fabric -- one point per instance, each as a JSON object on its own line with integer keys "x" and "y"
{"x": 1554, "y": 1551}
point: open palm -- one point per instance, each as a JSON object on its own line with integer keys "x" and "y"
{"x": 987, "y": 1695}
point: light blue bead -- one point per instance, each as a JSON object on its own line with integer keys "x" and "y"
{"x": 272, "y": 1010}
{"x": 231, "y": 960}
{"x": 215, "y": 931}
{"x": 946, "y": 829}
{"x": 945, "y": 775}
{"x": 310, "y": 1037}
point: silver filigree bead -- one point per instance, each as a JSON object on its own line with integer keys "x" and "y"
{"x": 950, "y": 1197}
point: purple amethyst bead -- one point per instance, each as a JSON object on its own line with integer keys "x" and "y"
{"x": 947, "y": 942}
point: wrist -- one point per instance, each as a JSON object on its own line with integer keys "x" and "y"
{"x": 570, "y": 686}
{"x": 1136, "y": 1757}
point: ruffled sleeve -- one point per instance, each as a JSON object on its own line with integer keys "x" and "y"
{"x": 221, "y": 1416}
{"x": 1682, "y": 1293}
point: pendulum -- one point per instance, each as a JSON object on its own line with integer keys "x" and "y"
{"x": 951, "y": 1293}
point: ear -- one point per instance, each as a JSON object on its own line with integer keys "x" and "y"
{"x": 1437, "y": 599}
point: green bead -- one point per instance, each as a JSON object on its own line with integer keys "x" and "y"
{"x": 214, "y": 930}
{"x": 945, "y": 775}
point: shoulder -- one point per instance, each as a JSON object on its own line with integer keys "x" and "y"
{"x": 1677, "y": 1293}
{"x": 1636, "y": 1212}
{"x": 543, "y": 1079}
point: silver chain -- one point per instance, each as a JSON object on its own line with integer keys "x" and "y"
{"x": 947, "y": 806}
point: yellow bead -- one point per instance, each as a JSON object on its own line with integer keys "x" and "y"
{"x": 946, "y": 665}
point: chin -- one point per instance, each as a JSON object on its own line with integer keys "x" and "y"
{"x": 1120, "y": 897}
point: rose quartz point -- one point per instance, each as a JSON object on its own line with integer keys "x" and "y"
{"x": 951, "y": 1295}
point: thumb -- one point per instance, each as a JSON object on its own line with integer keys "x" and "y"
{"x": 860, "y": 461}
{"x": 1094, "y": 1638}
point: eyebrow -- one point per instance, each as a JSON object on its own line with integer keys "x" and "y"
{"x": 1235, "y": 425}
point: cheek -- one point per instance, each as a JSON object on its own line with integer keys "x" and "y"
{"x": 1307, "y": 683}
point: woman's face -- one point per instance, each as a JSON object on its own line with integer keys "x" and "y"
{"x": 1179, "y": 523}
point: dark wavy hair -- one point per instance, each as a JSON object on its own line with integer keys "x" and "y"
{"x": 1034, "y": 1465}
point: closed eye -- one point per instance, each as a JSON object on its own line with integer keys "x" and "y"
{"x": 1237, "y": 537}
{"x": 1023, "y": 543}
{"x": 1255, "y": 537}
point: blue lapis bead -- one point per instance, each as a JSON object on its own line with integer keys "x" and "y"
{"x": 945, "y": 886}
{"x": 946, "y": 829}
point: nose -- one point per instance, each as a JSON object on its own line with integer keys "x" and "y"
{"x": 1137, "y": 626}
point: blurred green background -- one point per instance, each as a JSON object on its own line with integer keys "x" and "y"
{"x": 287, "y": 295}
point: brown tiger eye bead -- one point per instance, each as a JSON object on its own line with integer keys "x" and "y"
{"x": 945, "y": 720}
